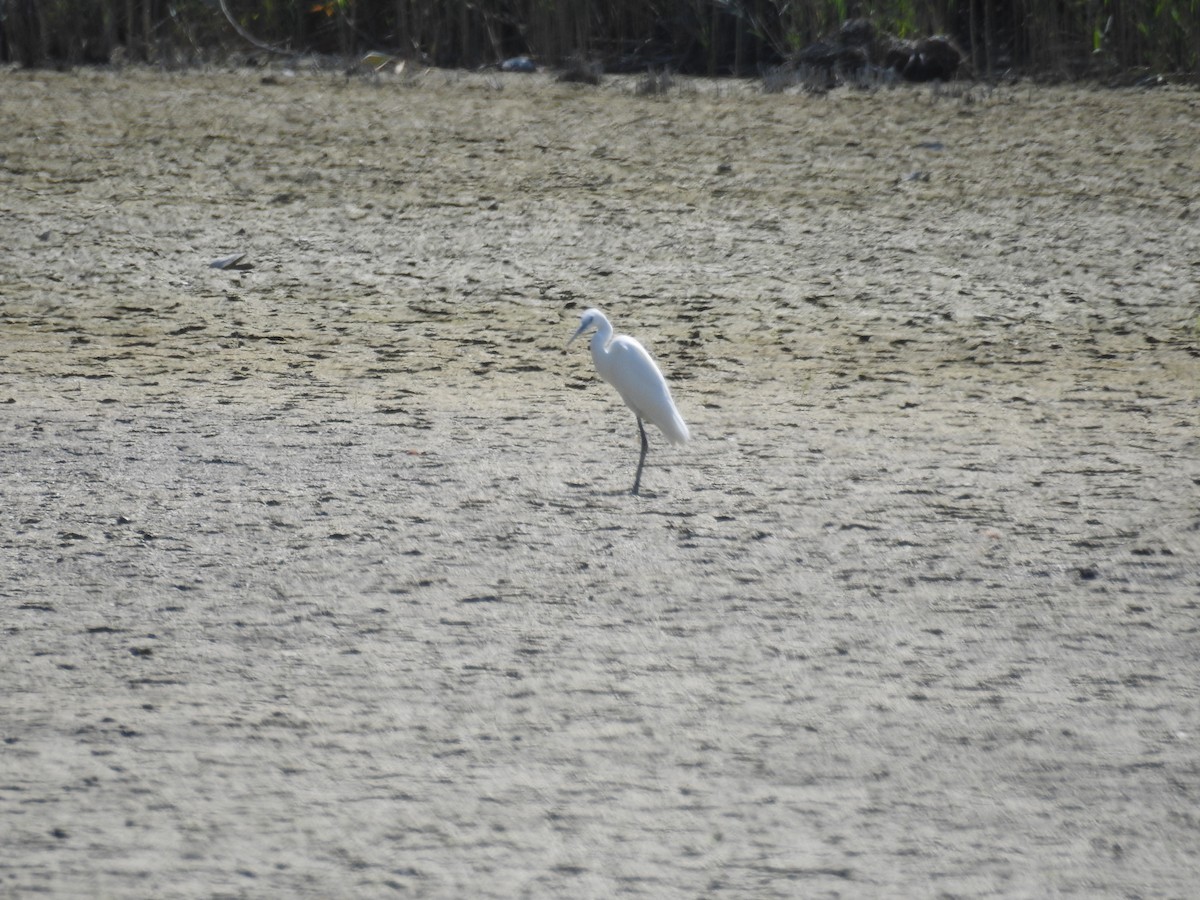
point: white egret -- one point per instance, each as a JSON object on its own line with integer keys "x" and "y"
{"x": 625, "y": 364}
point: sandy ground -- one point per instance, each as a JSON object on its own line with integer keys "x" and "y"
{"x": 321, "y": 577}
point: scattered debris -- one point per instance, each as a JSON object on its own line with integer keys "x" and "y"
{"x": 654, "y": 83}
{"x": 929, "y": 59}
{"x": 581, "y": 71}
{"x": 518, "y": 64}
{"x": 230, "y": 262}
{"x": 376, "y": 61}
{"x": 859, "y": 54}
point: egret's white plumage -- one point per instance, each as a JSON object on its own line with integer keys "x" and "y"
{"x": 625, "y": 364}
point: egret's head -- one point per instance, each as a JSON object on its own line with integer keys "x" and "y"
{"x": 590, "y": 319}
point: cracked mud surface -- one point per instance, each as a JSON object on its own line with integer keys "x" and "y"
{"x": 321, "y": 577}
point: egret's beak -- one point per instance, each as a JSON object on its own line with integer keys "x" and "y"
{"x": 577, "y": 333}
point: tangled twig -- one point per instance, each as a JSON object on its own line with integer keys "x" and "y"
{"x": 247, "y": 36}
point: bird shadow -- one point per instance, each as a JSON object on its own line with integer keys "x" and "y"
{"x": 643, "y": 494}
{"x": 616, "y": 493}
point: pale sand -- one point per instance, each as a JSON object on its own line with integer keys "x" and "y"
{"x": 321, "y": 578}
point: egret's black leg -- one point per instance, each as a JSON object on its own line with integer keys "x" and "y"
{"x": 637, "y": 481}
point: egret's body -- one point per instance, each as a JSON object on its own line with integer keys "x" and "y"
{"x": 624, "y": 363}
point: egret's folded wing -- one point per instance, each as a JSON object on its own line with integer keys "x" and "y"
{"x": 633, "y": 372}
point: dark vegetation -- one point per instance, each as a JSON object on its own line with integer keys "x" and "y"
{"x": 1046, "y": 38}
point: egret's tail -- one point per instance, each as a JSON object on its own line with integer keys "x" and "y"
{"x": 674, "y": 428}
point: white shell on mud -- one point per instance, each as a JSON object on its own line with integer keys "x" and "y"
{"x": 226, "y": 261}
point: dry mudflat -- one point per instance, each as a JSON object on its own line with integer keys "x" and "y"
{"x": 319, "y": 575}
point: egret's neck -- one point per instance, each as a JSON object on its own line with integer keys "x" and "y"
{"x": 602, "y": 337}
